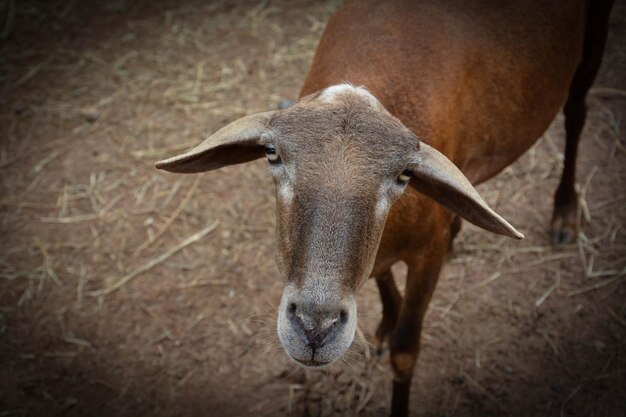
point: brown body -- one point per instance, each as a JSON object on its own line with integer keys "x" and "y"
{"x": 479, "y": 81}
{"x": 456, "y": 92}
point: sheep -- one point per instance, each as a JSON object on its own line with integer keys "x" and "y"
{"x": 407, "y": 106}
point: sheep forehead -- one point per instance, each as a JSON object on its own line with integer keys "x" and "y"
{"x": 334, "y": 92}
{"x": 347, "y": 132}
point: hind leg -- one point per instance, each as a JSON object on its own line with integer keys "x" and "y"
{"x": 564, "y": 223}
{"x": 564, "y": 219}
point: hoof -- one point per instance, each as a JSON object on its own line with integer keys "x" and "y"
{"x": 564, "y": 224}
{"x": 563, "y": 228}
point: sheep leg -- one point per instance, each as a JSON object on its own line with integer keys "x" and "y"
{"x": 391, "y": 300}
{"x": 564, "y": 223}
{"x": 404, "y": 344}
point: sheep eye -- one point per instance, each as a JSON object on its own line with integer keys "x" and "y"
{"x": 272, "y": 155}
{"x": 405, "y": 176}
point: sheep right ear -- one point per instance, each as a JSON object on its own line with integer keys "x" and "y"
{"x": 438, "y": 178}
{"x": 235, "y": 143}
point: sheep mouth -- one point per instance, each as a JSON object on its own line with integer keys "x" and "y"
{"x": 311, "y": 363}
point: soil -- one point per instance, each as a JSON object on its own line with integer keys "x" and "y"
{"x": 107, "y": 309}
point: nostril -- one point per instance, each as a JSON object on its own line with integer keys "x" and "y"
{"x": 343, "y": 316}
{"x": 291, "y": 309}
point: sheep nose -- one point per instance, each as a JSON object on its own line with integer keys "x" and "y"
{"x": 316, "y": 337}
{"x": 317, "y": 324}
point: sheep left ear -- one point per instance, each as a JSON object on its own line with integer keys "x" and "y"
{"x": 438, "y": 178}
{"x": 235, "y": 143}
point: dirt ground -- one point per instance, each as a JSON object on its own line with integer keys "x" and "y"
{"x": 130, "y": 292}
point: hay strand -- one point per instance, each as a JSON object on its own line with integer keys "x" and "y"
{"x": 170, "y": 220}
{"x": 549, "y": 291}
{"x": 154, "y": 262}
{"x": 597, "y": 285}
{"x": 608, "y": 92}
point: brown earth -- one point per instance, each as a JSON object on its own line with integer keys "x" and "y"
{"x": 94, "y": 92}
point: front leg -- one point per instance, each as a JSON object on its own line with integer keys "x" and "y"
{"x": 392, "y": 301}
{"x": 422, "y": 277}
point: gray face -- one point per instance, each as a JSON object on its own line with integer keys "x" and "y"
{"x": 337, "y": 160}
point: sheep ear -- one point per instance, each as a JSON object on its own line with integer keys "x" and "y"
{"x": 235, "y": 143}
{"x": 438, "y": 178}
